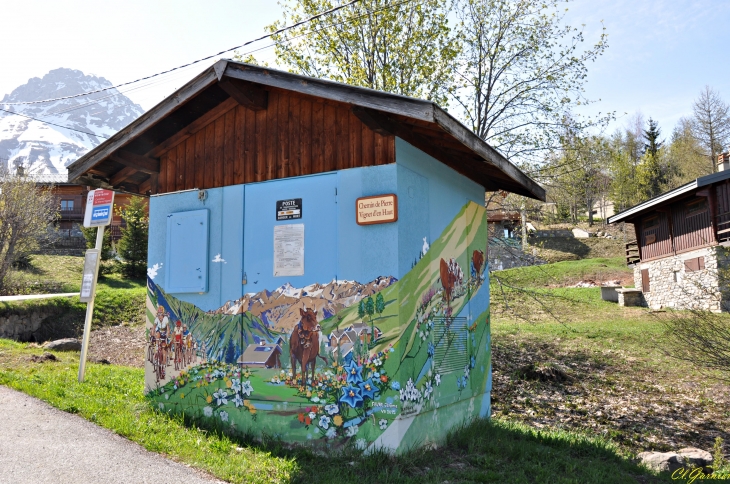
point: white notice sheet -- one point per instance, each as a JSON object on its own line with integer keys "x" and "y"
{"x": 289, "y": 250}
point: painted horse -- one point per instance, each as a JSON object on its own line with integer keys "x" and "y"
{"x": 304, "y": 344}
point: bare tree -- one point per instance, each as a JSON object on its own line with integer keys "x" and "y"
{"x": 25, "y": 214}
{"x": 521, "y": 69}
{"x": 711, "y": 123}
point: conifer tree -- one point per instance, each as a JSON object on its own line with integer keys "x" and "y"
{"x": 133, "y": 244}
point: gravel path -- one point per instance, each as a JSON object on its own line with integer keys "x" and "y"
{"x": 40, "y": 444}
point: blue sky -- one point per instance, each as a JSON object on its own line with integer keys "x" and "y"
{"x": 661, "y": 53}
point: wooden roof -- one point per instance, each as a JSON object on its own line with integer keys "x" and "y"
{"x": 130, "y": 160}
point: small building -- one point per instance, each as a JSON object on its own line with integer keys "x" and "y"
{"x": 260, "y": 356}
{"x": 681, "y": 244}
{"x": 262, "y": 183}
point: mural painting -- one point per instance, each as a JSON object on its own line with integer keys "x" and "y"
{"x": 341, "y": 362}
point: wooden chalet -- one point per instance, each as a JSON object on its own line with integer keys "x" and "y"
{"x": 261, "y": 356}
{"x": 679, "y": 237}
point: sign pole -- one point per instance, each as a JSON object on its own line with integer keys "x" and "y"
{"x": 90, "y": 306}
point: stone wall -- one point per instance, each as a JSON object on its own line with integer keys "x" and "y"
{"x": 30, "y": 324}
{"x": 671, "y": 285}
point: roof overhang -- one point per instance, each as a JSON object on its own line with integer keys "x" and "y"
{"x": 668, "y": 197}
{"x": 127, "y": 161}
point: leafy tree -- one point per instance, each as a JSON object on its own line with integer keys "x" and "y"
{"x": 520, "y": 71}
{"x": 711, "y": 123}
{"x": 133, "y": 244}
{"x": 400, "y": 47}
{"x": 379, "y": 303}
{"x": 370, "y": 307}
{"x": 26, "y": 212}
{"x": 685, "y": 154}
{"x": 361, "y": 309}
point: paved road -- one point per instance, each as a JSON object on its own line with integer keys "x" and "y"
{"x": 40, "y": 444}
{"x": 37, "y": 296}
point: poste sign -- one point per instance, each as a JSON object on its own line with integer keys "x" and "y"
{"x": 99, "y": 205}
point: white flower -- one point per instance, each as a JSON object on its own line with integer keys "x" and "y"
{"x": 361, "y": 444}
{"x": 383, "y": 424}
{"x": 224, "y": 416}
{"x": 236, "y": 385}
{"x": 332, "y": 409}
{"x": 207, "y": 411}
{"x": 438, "y": 379}
{"x": 315, "y": 399}
{"x": 352, "y": 430}
{"x": 312, "y": 415}
{"x": 246, "y": 388}
{"x": 238, "y": 401}
{"x": 324, "y": 422}
{"x": 466, "y": 372}
{"x": 289, "y": 374}
{"x": 167, "y": 396}
{"x": 403, "y": 395}
{"x": 221, "y": 397}
{"x": 331, "y": 433}
{"x": 428, "y": 390}
{"x": 161, "y": 405}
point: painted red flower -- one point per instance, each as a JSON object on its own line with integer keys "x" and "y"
{"x": 307, "y": 421}
{"x": 301, "y": 417}
{"x": 384, "y": 378}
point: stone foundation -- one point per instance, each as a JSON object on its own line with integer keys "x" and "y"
{"x": 671, "y": 285}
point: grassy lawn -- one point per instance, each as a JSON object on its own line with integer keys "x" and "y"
{"x": 500, "y": 451}
{"x": 622, "y": 381}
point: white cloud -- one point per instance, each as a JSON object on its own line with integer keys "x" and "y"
{"x": 152, "y": 271}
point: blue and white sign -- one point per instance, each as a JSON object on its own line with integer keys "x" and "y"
{"x": 99, "y": 211}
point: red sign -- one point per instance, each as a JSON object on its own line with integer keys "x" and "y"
{"x": 103, "y": 197}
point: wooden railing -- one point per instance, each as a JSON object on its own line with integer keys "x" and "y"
{"x": 722, "y": 224}
{"x": 632, "y": 253}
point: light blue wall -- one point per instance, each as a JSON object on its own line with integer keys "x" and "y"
{"x": 429, "y": 193}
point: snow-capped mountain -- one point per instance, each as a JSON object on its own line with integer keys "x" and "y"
{"x": 46, "y": 149}
{"x": 279, "y": 308}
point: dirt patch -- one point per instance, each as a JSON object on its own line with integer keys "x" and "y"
{"x": 118, "y": 345}
{"x": 609, "y": 393}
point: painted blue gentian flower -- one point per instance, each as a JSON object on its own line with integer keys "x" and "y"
{"x": 473, "y": 361}
{"x": 351, "y": 395}
{"x": 368, "y": 388}
{"x": 431, "y": 349}
{"x": 354, "y": 372}
{"x": 395, "y": 385}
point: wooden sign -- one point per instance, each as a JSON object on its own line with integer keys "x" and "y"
{"x": 378, "y": 209}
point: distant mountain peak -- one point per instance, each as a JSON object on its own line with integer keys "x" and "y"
{"x": 46, "y": 149}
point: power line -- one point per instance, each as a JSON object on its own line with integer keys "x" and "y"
{"x": 281, "y": 30}
{"x": 54, "y": 124}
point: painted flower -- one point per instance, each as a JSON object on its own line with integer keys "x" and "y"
{"x": 352, "y": 430}
{"x": 376, "y": 374}
{"x": 237, "y": 400}
{"x": 337, "y": 420}
{"x": 221, "y": 397}
{"x": 307, "y": 420}
{"x": 383, "y": 424}
{"x": 331, "y": 433}
{"x": 466, "y": 372}
{"x": 161, "y": 405}
{"x": 300, "y": 417}
{"x": 384, "y": 378}
{"x": 361, "y": 444}
{"x": 473, "y": 361}
{"x": 332, "y": 409}
{"x": 236, "y": 385}
{"x": 354, "y": 372}
{"x": 428, "y": 390}
{"x": 431, "y": 349}
{"x": 395, "y": 385}
{"x": 209, "y": 399}
{"x": 207, "y": 411}
{"x": 368, "y": 388}
{"x": 224, "y": 416}
{"x": 246, "y": 388}
{"x": 391, "y": 349}
{"x": 351, "y": 396}
{"x": 315, "y": 399}
{"x": 437, "y": 378}
{"x": 324, "y": 422}
{"x": 312, "y": 415}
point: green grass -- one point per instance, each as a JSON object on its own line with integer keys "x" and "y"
{"x": 497, "y": 451}
{"x": 566, "y": 272}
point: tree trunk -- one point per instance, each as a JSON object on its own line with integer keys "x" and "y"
{"x": 523, "y": 218}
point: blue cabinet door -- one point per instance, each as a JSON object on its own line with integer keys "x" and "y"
{"x": 318, "y": 222}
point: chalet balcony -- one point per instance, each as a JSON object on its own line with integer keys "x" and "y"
{"x": 74, "y": 214}
{"x": 632, "y": 253}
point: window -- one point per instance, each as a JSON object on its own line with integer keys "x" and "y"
{"x": 696, "y": 207}
{"x": 67, "y": 205}
{"x": 693, "y": 265}
{"x": 651, "y": 222}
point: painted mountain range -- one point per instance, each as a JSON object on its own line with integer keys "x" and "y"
{"x": 43, "y": 148}
{"x": 279, "y": 309}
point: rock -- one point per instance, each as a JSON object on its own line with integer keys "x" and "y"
{"x": 101, "y": 361}
{"x": 66, "y": 344}
{"x": 44, "y": 357}
{"x": 580, "y": 233}
{"x": 661, "y": 461}
{"x": 695, "y": 456}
